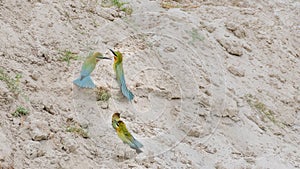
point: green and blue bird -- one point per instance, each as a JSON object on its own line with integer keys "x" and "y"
{"x": 126, "y": 137}
{"x": 85, "y": 81}
{"x": 118, "y": 67}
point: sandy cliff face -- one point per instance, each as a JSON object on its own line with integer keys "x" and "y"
{"x": 216, "y": 84}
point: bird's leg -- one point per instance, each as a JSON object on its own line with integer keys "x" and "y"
{"x": 125, "y": 154}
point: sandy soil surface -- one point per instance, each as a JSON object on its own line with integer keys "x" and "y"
{"x": 216, "y": 84}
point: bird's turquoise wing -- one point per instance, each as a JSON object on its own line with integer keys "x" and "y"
{"x": 132, "y": 141}
{"x": 87, "y": 68}
{"x": 119, "y": 72}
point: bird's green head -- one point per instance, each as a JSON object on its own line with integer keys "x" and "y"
{"x": 117, "y": 56}
{"x": 99, "y": 56}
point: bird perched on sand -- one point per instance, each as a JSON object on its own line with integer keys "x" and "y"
{"x": 85, "y": 81}
{"x": 118, "y": 67}
{"x": 124, "y": 134}
{"x": 115, "y": 119}
{"x": 127, "y": 138}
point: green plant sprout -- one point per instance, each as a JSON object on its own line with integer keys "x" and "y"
{"x": 78, "y": 130}
{"x": 67, "y": 56}
{"x": 20, "y": 111}
{"x": 102, "y": 94}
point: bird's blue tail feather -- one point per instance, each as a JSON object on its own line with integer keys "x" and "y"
{"x": 136, "y": 145}
{"x": 127, "y": 93}
{"x": 85, "y": 82}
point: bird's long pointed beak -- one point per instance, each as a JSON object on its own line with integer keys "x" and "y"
{"x": 106, "y": 58}
{"x": 102, "y": 57}
{"x": 113, "y": 52}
